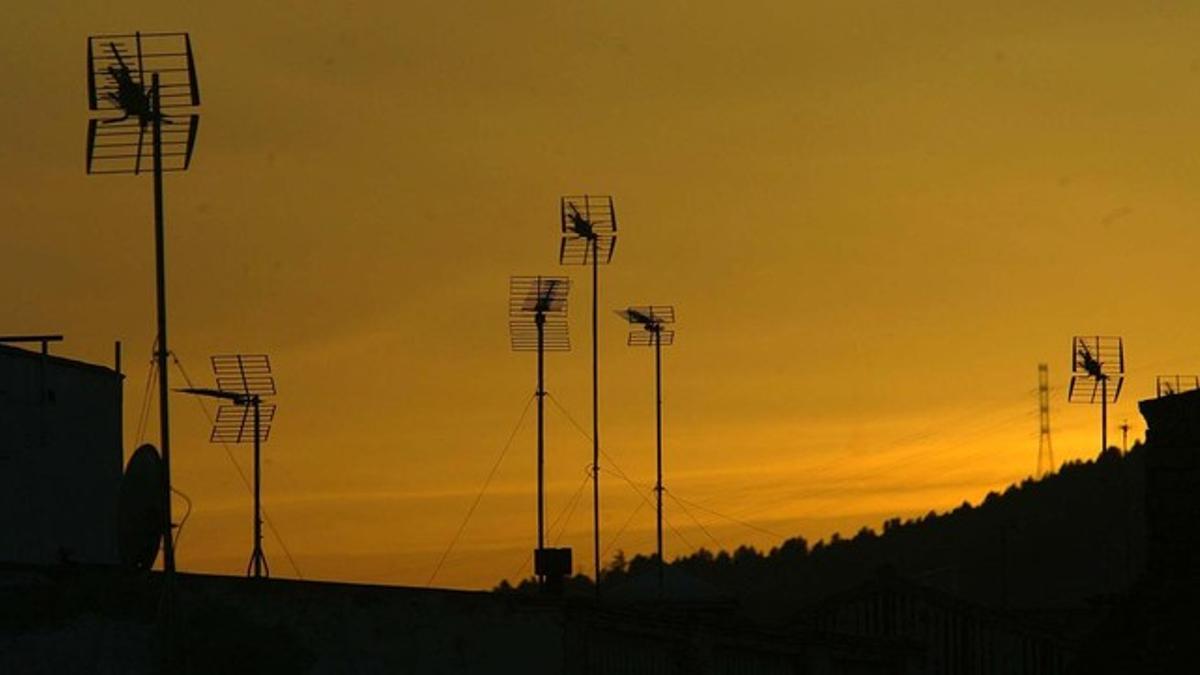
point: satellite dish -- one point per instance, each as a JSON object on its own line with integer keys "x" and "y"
{"x": 140, "y": 514}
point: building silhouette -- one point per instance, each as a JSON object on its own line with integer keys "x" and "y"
{"x": 60, "y": 459}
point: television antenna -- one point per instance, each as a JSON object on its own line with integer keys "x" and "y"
{"x": 122, "y": 107}
{"x": 589, "y": 236}
{"x": 651, "y": 330}
{"x": 244, "y": 380}
{"x": 1168, "y": 385}
{"x": 1097, "y": 374}
{"x": 537, "y": 321}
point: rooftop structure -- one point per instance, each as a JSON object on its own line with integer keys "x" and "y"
{"x": 60, "y": 458}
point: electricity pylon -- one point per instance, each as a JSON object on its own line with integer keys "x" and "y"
{"x": 1045, "y": 460}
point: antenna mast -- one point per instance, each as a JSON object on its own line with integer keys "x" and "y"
{"x": 121, "y": 109}
{"x": 537, "y": 321}
{"x": 1045, "y": 460}
{"x": 651, "y": 332}
{"x": 243, "y": 380}
{"x": 589, "y": 235}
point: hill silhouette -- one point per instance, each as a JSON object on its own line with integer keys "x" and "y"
{"x": 1073, "y": 538}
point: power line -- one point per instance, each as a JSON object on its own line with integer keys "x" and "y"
{"x": 572, "y": 504}
{"x": 694, "y": 520}
{"x": 980, "y": 427}
{"x": 915, "y": 457}
{"x": 145, "y": 407}
{"x": 621, "y": 474}
{"x": 932, "y": 432}
{"x": 639, "y": 490}
{"x": 922, "y": 457}
{"x": 567, "y": 511}
{"x": 479, "y": 497}
{"x": 731, "y": 519}
{"x": 621, "y": 531}
{"x": 919, "y": 456}
{"x": 561, "y": 409}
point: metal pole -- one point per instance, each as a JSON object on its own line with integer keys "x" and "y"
{"x": 258, "y": 552}
{"x": 1103, "y": 414}
{"x": 540, "y": 321}
{"x": 162, "y": 350}
{"x": 658, "y": 487}
{"x": 595, "y": 244}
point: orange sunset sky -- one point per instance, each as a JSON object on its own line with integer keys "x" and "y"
{"x": 874, "y": 219}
